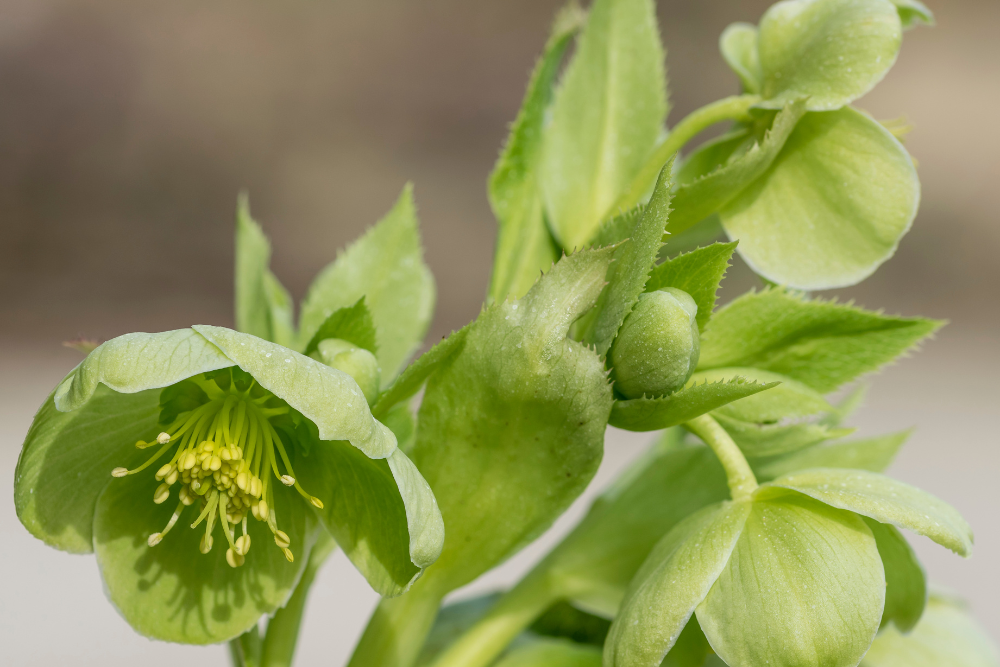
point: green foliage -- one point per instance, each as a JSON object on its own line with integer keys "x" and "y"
{"x": 351, "y": 323}
{"x": 822, "y": 344}
{"x": 698, "y": 273}
{"x": 905, "y": 581}
{"x": 263, "y": 307}
{"x": 738, "y": 44}
{"x": 912, "y": 13}
{"x": 874, "y": 454}
{"x": 606, "y": 116}
{"x": 552, "y": 653}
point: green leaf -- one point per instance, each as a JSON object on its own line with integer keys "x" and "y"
{"x": 758, "y": 440}
{"x": 691, "y": 648}
{"x": 698, "y": 273}
{"x": 329, "y": 398}
{"x": 606, "y": 117}
{"x": 832, "y": 206}
{"x": 821, "y": 344}
{"x": 652, "y": 414}
{"x": 552, "y": 653}
{"x": 565, "y": 621}
{"x": 874, "y": 454}
{"x": 947, "y": 634}
{"x": 885, "y": 500}
{"x": 351, "y": 323}
{"x": 804, "y": 587}
{"x": 138, "y": 361}
{"x": 452, "y": 621}
{"x": 411, "y": 379}
{"x": 512, "y": 428}
{"x": 253, "y": 256}
{"x": 673, "y": 581}
{"x": 380, "y": 512}
{"x": 831, "y": 51}
{"x": 905, "y": 582}
{"x": 280, "y": 310}
{"x": 525, "y": 247}
{"x": 847, "y": 407}
{"x": 738, "y": 44}
{"x": 617, "y": 228}
{"x": 633, "y": 260}
{"x": 82, "y": 446}
{"x": 716, "y": 153}
{"x": 594, "y": 564}
{"x": 385, "y": 266}
{"x": 173, "y": 592}
{"x": 788, "y": 399}
{"x": 403, "y": 425}
{"x": 696, "y": 200}
{"x": 912, "y": 13}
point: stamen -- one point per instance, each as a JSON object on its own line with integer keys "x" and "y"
{"x": 287, "y": 480}
{"x": 289, "y": 556}
{"x": 119, "y": 472}
{"x": 156, "y": 538}
{"x": 281, "y": 539}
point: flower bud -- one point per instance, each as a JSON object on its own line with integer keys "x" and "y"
{"x": 357, "y": 362}
{"x": 657, "y": 347}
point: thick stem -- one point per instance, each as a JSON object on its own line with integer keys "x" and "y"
{"x": 730, "y": 108}
{"x": 739, "y": 476}
{"x": 514, "y": 612}
{"x": 244, "y": 651}
{"x": 283, "y": 629}
{"x": 397, "y": 630}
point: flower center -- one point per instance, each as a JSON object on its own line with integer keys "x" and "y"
{"x": 223, "y": 449}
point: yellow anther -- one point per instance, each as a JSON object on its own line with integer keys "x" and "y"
{"x": 243, "y": 544}
{"x": 287, "y": 480}
{"x": 141, "y": 444}
{"x": 262, "y": 509}
{"x": 154, "y": 539}
{"x": 172, "y": 477}
{"x": 185, "y": 496}
{"x": 289, "y": 556}
{"x": 206, "y": 544}
{"x": 163, "y": 438}
{"x": 255, "y": 487}
{"x": 234, "y": 559}
{"x": 215, "y": 463}
{"x": 189, "y": 460}
{"x": 162, "y": 493}
{"x": 208, "y": 445}
{"x": 316, "y": 502}
{"x": 163, "y": 471}
{"x": 225, "y": 455}
{"x": 119, "y": 472}
{"x": 281, "y": 539}
{"x": 241, "y": 481}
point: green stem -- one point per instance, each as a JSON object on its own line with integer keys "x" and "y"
{"x": 397, "y": 630}
{"x": 283, "y": 629}
{"x": 514, "y": 612}
{"x": 736, "y": 107}
{"x": 739, "y": 476}
{"x": 244, "y": 651}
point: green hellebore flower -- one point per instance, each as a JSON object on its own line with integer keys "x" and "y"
{"x": 261, "y": 444}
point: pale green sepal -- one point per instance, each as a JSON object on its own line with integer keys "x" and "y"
{"x": 351, "y": 323}
{"x": 695, "y": 201}
{"x": 674, "y": 580}
{"x": 912, "y": 13}
{"x": 329, "y": 398}
{"x": 593, "y": 566}
{"x": 512, "y": 428}
{"x": 822, "y": 344}
{"x": 552, "y": 653}
{"x": 804, "y": 587}
{"x": 525, "y": 247}
{"x": 874, "y": 454}
{"x": 423, "y": 518}
{"x": 386, "y": 266}
{"x": 698, "y": 273}
{"x": 905, "y": 580}
{"x": 947, "y": 634}
{"x": 738, "y": 44}
{"x": 757, "y": 440}
{"x": 788, "y": 399}
{"x": 831, "y": 51}
{"x": 883, "y": 499}
{"x": 380, "y": 512}
{"x": 413, "y": 377}
{"x": 253, "y": 257}
{"x": 67, "y": 458}
{"x": 606, "y": 117}
{"x": 833, "y": 205}
{"x": 634, "y": 259}
{"x": 175, "y": 593}
{"x": 138, "y": 361}
{"x": 653, "y": 414}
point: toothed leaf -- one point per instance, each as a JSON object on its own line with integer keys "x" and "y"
{"x": 698, "y": 273}
{"x": 351, "y": 323}
{"x": 874, "y": 454}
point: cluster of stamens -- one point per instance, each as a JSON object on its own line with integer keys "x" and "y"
{"x": 223, "y": 451}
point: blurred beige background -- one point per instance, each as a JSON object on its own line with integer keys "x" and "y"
{"x": 128, "y": 128}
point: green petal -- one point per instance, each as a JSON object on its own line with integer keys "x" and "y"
{"x": 912, "y": 13}
{"x": 139, "y": 361}
{"x": 804, "y": 587}
{"x": 698, "y": 273}
{"x": 552, "y": 653}
{"x": 886, "y": 500}
{"x": 829, "y": 51}
{"x": 905, "y": 581}
{"x": 738, "y": 44}
{"x": 874, "y": 454}
{"x": 175, "y": 593}
{"x": 328, "y": 397}
{"x": 386, "y": 266}
{"x": 831, "y": 208}
{"x": 946, "y": 635}
{"x": 672, "y": 582}
{"x": 606, "y": 117}
{"x": 381, "y": 512}
{"x": 67, "y": 460}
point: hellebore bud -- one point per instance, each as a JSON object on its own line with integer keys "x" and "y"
{"x": 357, "y": 362}
{"x": 657, "y": 347}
